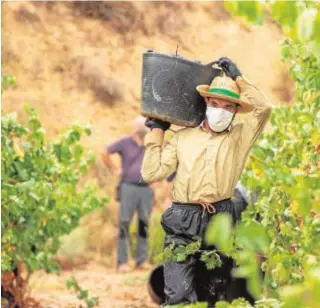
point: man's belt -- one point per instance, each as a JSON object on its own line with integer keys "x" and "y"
{"x": 209, "y": 207}
{"x": 137, "y": 184}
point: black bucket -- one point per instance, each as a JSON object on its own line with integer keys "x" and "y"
{"x": 169, "y": 88}
{"x": 156, "y": 285}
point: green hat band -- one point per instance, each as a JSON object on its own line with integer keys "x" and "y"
{"x": 224, "y": 92}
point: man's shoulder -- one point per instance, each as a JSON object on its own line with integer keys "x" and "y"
{"x": 126, "y": 138}
{"x": 185, "y": 131}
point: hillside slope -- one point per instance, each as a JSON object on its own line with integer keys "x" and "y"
{"x": 81, "y": 61}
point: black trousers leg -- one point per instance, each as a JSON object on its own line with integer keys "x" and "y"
{"x": 218, "y": 280}
{"x": 179, "y": 281}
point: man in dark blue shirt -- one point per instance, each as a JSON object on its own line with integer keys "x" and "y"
{"x": 133, "y": 194}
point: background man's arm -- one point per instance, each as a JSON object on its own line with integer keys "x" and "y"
{"x": 116, "y": 147}
{"x": 107, "y": 160}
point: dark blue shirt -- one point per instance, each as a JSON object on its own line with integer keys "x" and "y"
{"x": 131, "y": 158}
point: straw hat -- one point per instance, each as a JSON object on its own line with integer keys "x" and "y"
{"x": 226, "y": 88}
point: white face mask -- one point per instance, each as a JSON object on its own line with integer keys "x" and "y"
{"x": 218, "y": 118}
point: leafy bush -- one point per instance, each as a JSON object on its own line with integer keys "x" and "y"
{"x": 284, "y": 170}
{"x": 41, "y": 198}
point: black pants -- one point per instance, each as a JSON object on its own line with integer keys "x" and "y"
{"x": 182, "y": 223}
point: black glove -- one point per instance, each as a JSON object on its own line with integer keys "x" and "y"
{"x": 229, "y": 67}
{"x": 155, "y": 123}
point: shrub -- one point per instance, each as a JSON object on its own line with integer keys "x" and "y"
{"x": 41, "y": 198}
{"x": 284, "y": 169}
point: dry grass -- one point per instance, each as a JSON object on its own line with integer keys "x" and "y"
{"x": 285, "y": 88}
{"x": 94, "y": 75}
{"x": 68, "y": 60}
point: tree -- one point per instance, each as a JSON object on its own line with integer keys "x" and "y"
{"x": 41, "y": 198}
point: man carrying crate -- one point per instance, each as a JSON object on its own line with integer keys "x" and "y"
{"x": 208, "y": 161}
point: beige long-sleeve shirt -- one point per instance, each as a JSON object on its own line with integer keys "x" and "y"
{"x": 207, "y": 165}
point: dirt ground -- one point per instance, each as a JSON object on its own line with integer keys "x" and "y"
{"x": 114, "y": 290}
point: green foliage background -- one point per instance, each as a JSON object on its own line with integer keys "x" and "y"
{"x": 284, "y": 170}
{"x": 41, "y": 198}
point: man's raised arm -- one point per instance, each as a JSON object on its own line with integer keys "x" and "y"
{"x": 256, "y": 120}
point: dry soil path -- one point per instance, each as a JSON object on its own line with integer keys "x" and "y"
{"x": 114, "y": 290}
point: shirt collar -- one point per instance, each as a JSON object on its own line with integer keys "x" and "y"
{"x": 202, "y": 127}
